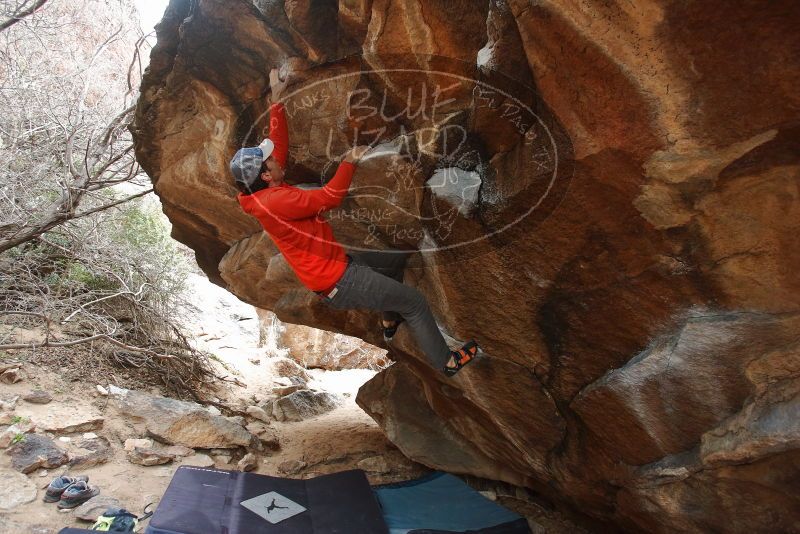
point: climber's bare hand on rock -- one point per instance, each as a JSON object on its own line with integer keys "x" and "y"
{"x": 356, "y": 153}
{"x": 277, "y": 86}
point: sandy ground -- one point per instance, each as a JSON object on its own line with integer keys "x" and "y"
{"x": 345, "y": 438}
{"x": 331, "y": 442}
{"x": 334, "y": 441}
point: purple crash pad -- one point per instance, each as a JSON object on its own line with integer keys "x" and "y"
{"x": 213, "y": 501}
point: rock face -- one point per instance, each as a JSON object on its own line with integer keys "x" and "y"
{"x": 605, "y": 194}
{"x": 319, "y": 349}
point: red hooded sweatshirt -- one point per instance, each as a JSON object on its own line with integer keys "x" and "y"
{"x": 292, "y": 216}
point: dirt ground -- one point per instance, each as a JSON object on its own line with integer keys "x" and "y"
{"x": 334, "y": 441}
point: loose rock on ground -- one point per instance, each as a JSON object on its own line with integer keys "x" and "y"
{"x": 36, "y": 451}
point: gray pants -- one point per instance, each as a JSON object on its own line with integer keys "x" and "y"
{"x": 373, "y": 281}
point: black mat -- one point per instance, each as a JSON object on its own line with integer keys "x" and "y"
{"x": 208, "y": 501}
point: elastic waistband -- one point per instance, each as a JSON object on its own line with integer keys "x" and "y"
{"x": 327, "y": 291}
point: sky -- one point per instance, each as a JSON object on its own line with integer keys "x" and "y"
{"x": 150, "y": 12}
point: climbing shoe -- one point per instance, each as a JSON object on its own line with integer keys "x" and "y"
{"x": 59, "y": 484}
{"x": 461, "y": 357}
{"x": 391, "y": 330}
{"x": 77, "y": 494}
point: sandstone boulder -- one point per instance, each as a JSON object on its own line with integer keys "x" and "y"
{"x": 248, "y": 462}
{"x": 94, "y": 507}
{"x": 258, "y": 413}
{"x": 38, "y": 396}
{"x": 607, "y": 200}
{"x": 291, "y": 467}
{"x": 266, "y": 435}
{"x": 14, "y": 433}
{"x": 67, "y": 423}
{"x": 142, "y": 443}
{"x": 282, "y": 391}
{"x": 15, "y": 490}
{"x": 304, "y": 404}
{"x": 182, "y": 423}
{"x": 91, "y": 452}
{"x": 177, "y": 450}
{"x": 11, "y": 376}
{"x": 7, "y": 364}
{"x": 319, "y": 349}
{"x": 132, "y": 443}
{"x": 198, "y": 460}
{"x": 149, "y": 456}
{"x": 288, "y": 368}
{"x": 36, "y": 451}
{"x": 237, "y": 420}
{"x": 7, "y": 404}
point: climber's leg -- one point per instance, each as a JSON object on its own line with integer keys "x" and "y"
{"x": 389, "y": 263}
{"x": 362, "y": 287}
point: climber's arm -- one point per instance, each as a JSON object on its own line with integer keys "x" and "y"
{"x": 292, "y": 203}
{"x": 279, "y": 133}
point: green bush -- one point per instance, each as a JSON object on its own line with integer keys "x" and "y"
{"x": 141, "y": 227}
{"x": 78, "y": 273}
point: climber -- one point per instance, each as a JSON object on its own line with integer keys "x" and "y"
{"x": 290, "y": 216}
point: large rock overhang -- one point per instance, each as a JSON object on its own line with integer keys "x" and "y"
{"x": 618, "y": 228}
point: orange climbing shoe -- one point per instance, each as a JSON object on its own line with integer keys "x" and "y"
{"x": 462, "y": 357}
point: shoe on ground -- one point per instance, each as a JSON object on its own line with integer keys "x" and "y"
{"x": 77, "y": 494}
{"x": 56, "y": 488}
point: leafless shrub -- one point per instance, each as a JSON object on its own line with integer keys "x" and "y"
{"x": 114, "y": 281}
{"x": 66, "y": 102}
{"x": 82, "y": 258}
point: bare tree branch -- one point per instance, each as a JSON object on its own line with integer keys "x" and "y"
{"x": 21, "y": 12}
{"x": 46, "y": 343}
{"x": 112, "y": 204}
{"x": 63, "y": 209}
{"x": 83, "y": 262}
{"x": 101, "y": 299}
